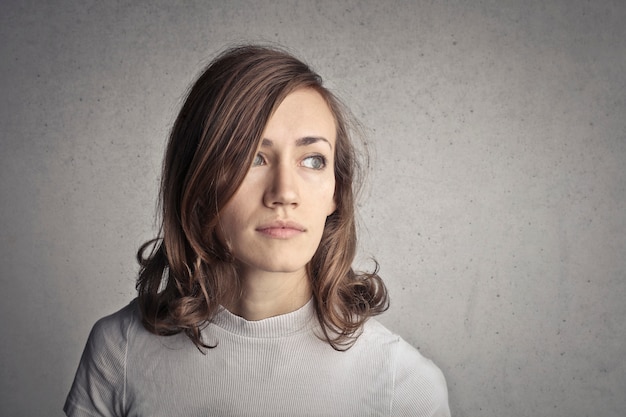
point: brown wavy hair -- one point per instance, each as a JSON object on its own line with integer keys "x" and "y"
{"x": 186, "y": 273}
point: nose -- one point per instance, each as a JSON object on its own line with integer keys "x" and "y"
{"x": 282, "y": 187}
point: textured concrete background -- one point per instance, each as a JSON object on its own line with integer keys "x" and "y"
{"x": 496, "y": 206}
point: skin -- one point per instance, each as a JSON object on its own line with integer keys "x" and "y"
{"x": 274, "y": 223}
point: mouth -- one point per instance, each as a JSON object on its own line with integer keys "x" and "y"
{"x": 281, "y": 229}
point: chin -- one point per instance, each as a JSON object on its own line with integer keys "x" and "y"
{"x": 284, "y": 264}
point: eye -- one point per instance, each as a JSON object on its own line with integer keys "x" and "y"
{"x": 258, "y": 160}
{"x": 314, "y": 162}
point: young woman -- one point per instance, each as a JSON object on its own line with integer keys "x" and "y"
{"x": 247, "y": 302}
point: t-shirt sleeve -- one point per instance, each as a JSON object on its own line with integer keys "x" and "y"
{"x": 420, "y": 388}
{"x": 99, "y": 385}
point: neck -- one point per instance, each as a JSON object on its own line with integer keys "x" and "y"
{"x": 266, "y": 294}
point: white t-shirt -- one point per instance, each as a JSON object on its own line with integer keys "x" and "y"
{"x": 272, "y": 367}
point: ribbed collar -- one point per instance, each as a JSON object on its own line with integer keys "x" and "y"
{"x": 272, "y": 327}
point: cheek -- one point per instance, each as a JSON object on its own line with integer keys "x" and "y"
{"x": 333, "y": 202}
{"x": 230, "y": 218}
{"x": 235, "y": 211}
{"x": 332, "y": 199}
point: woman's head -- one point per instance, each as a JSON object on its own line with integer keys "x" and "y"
{"x": 190, "y": 270}
{"x": 216, "y": 136}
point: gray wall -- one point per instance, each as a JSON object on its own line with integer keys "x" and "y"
{"x": 496, "y": 206}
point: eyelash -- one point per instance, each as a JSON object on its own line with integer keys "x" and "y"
{"x": 321, "y": 158}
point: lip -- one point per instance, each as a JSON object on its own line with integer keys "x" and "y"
{"x": 281, "y": 229}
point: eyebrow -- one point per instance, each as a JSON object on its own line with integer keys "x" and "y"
{"x": 304, "y": 141}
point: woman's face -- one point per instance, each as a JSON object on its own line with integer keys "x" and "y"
{"x": 275, "y": 220}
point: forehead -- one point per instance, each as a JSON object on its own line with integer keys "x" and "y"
{"x": 303, "y": 113}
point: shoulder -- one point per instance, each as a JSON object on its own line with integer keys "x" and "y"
{"x": 99, "y": 384}
{"x": 115, "y": 327}
{"x": 419, "y": 385}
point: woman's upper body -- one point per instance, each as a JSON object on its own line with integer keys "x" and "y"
{"x": 272, "y": 367}
{"x": 253, "y": 268}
